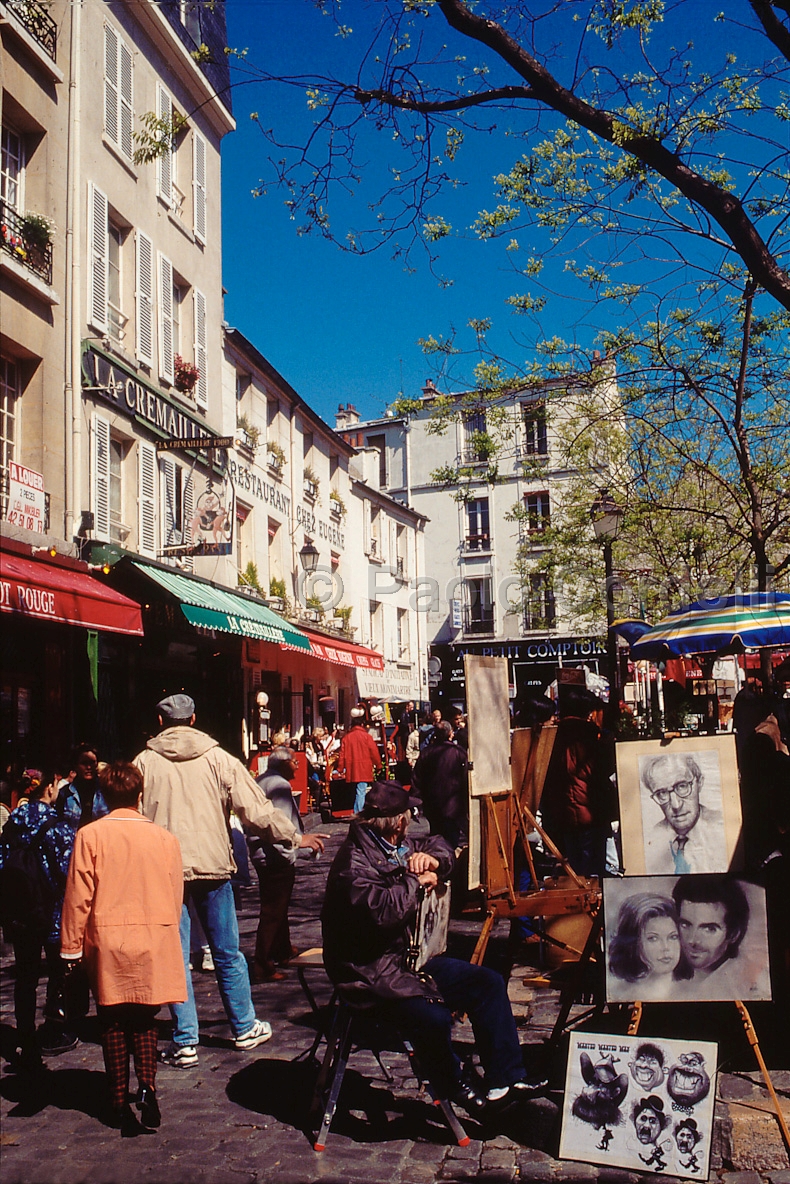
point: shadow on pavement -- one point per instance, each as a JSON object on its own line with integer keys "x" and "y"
{"x": 65, "y": 1089}
{"x": 284, "y": 1089}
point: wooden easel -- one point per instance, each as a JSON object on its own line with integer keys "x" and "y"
{"x": 751, "y": 1036}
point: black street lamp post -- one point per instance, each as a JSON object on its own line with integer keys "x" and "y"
{"x": 607, "y": 516}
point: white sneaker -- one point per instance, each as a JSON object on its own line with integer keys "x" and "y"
{"x": 259, "y": 1033}
{"x": 208, "y": 961}
{"x": 179, "y": 1056}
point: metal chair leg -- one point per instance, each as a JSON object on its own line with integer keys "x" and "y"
{"x": 338, "y": 1070}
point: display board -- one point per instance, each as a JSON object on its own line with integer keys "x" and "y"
{"x": 643, "y": 1105}
{"x": 488, "y": 721}
{"x": 679, "y": 939}
{"x": 680, "y": 808}
{"x": 433, "y": 919}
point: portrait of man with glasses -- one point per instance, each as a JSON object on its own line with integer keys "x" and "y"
{"x": 683, "y": 830}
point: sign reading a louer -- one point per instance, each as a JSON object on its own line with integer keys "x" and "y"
{"x": 27, "y": 501}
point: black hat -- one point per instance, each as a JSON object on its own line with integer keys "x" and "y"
{"x": 385, "y": 799}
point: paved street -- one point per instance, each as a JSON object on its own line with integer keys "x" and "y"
{"x": 240, "y": 1117}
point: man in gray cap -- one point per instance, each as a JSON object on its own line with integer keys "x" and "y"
{"x": 190, "y": 785}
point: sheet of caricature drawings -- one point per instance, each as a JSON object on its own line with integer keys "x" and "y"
{"x": 640, "y": 1103}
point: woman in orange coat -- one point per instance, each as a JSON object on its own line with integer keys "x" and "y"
{"x": 121, "y": 915}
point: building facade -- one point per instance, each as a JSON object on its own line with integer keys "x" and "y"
{"x": 483, "y": 528}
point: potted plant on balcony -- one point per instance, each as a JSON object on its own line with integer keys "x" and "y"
{"x": 276, "y": 598}
{"x": 343, "y": 614}
{"x": 276, "y": 456}
{"x": 185, "y": 375}
{"x": 37, "y": 230}
{"x": 250, "y": 433}
{"x": 337, "y": 507}
{"x": 311, "y": 482}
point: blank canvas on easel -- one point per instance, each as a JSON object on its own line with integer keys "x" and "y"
{"x": 488, "y": 723}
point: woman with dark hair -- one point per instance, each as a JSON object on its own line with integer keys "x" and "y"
{"x": 121, "y": 915}
{"x": 645, "y": 948}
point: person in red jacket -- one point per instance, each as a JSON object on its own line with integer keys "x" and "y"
{"x": 359, "y": 757}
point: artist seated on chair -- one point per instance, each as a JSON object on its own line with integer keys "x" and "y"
{"x": 371, "y": 902}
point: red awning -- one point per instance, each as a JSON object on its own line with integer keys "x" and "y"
{"x": 44, "y": 592}
{"x": 343, "y": 653}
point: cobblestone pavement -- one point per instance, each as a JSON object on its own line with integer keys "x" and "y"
{"x": 240, "y": 1117}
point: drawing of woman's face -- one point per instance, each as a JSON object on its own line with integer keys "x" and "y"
{"x": 659, "y": 945}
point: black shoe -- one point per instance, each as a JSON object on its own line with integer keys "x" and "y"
{"x": 469, "y": 1100}
{"x": 519, "y": 1091}
{"x": 125, "y": 1121}
{"x": 150, "y": 1114}
{"x": 57, "y": 1041}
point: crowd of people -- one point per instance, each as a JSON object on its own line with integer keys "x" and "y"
{"x": 119, "y": 873}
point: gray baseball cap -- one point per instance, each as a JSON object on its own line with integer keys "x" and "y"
{"x": 176, "y": 708}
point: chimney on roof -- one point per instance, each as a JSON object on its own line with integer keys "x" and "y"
{"x": 596, "y": 355}
{"x": 429, "y": 389}
{"x": 346, "y": 417}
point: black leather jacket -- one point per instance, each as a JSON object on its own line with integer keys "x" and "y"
{"x": 369, "y": 905}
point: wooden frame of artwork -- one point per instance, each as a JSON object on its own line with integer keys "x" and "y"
{"x": 657, "y": 839}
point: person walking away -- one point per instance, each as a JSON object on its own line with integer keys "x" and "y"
{"x": 35, "y": 851}
{"x": 358, "y": 759}
{"x": 275, "y": 864}
{"x": 190, "y": 785}
{"x": 121, "y": 917}
{"x": 442, "y": 780}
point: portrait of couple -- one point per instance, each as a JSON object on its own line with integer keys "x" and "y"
{"x": 680, "y": 806}
{"x": 684, "y": 938}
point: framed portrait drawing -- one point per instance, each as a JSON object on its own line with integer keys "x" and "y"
{"x": 680, "y": 807}
{"x": 640, "y": 1104}
{"x": 680, "y": 939}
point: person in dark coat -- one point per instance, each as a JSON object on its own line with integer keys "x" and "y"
{"x": 577, "y": 805}
{"x": 370, "y": 906}
{"x": 442, "y": 779}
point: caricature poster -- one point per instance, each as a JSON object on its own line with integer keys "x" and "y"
{"x": 640, "y": 1103}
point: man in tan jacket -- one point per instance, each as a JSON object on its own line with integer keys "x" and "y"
{"x": 190, "y": 785}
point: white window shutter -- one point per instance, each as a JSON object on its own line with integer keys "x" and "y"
{"x": 201, "y": 353}
{"x": 111, "y": 119}
{"x": 188, "y": 510}
{"x": 146, "y": 499}
{"x": 164, "y": 162}
{"x": 165, "y": 270}
{"x": 126, "y": 106}
{"x": 199, "y": 186}
{"x": 98, "y": 254}
{"x": 170, "y": 536}
{"x": 100, "y": 473}
{"x": 366, "y": 526}
{"x": 144, "y": 298}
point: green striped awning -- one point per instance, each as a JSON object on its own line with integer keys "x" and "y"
{"x": 217, "y": 608}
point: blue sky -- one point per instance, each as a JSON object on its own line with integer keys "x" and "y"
{"x": 341, "y": 327}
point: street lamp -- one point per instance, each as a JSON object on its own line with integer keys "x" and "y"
{"x": 309, "y": 556}
{"x": 607, "y": 516}
{"x": 264, "y": 715}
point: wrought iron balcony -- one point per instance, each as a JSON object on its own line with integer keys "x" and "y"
{"x": 479, "y": 619}
{"x": 477, "y": 542}
{"x": 38, "y": 23}
{"x": 14, "y": 242}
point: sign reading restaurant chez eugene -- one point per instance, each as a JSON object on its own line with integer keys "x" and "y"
{"x": 247, "y": 480}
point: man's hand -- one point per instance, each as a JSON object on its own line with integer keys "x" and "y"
{"x": 428, "y": 880}
{"x": 314, "y": 842}
{"x": 421, "y": 861}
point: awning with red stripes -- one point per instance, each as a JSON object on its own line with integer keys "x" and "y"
{"x": 43, "y": 591}
{"x": 343, "y": 653}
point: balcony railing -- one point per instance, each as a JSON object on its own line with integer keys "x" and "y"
{"x": 477, "y": 542}
{"x": 13, "y": 242}
{"x": 480, "y": 620}
{"x": 38, "y": 23}
{"x": 400, "y": 569}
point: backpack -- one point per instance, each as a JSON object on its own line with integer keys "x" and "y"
{"x": 27, "y": 898}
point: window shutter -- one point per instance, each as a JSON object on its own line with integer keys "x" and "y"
{"x": 188, "y": 510}
{"x": 199, "y": 186}
{"x": 101, "y": 477}
{"x": 111, "y": 83}
{"x": 166, "y": 318}
{"x": 164, "y": 162}
{"x": 366, "y": 526}
{"x": 171, "y": 537}
{"x": 126, "y": 110}
{"x": 201, "y": 390}
{"x": 144, "y": 297}
{"x": 98, "y": 252}
{"x": 146, "y": 499}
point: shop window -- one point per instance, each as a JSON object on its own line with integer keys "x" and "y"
{"x": 9, "y": 407}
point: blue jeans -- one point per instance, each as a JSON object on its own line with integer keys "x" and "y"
{"x": 482, "y": 994}
{"x": 360, "y": 794}
{"x": 214, "y": 904}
